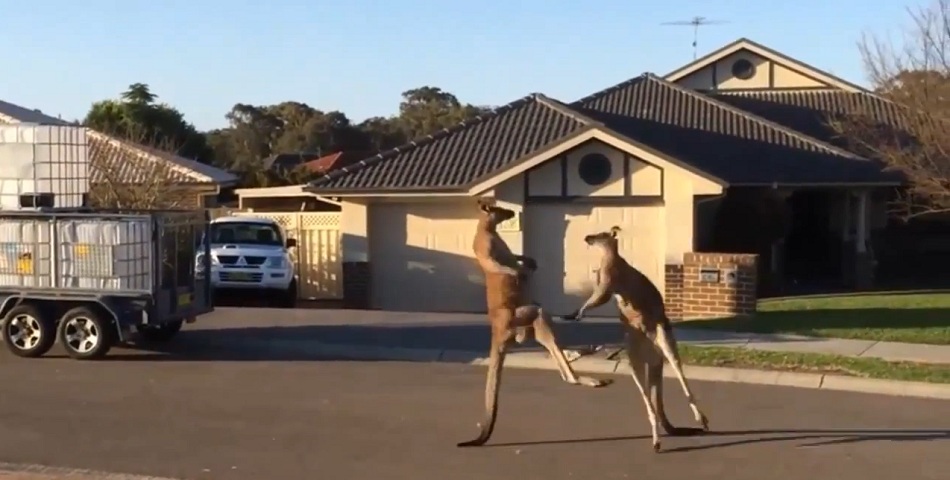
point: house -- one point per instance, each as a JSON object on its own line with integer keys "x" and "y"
{"x": 658, "y": 156}
{"x": 121, "y": 168}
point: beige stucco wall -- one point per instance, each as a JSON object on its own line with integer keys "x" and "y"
{"x": 768, "y": 74}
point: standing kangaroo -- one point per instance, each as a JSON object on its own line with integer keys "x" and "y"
{"x": 512, "y": 317}
{"x": 648, "y": 332}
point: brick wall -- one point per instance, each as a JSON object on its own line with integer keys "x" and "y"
{"x": 714, "y": 295}
{"x": 356, "y": 284}
{"x": 674, "y": 292}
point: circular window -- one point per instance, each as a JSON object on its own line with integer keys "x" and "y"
{"x": 594, "y": 169}
{"x": 743, "y": 69}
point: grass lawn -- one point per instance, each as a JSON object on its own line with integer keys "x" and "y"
{"x": 893, "y": 317}
{"x": 814, "y": 363}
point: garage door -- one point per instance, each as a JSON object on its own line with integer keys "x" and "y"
{"x": 421, "y": 257}
{"x": 567, "y": 267}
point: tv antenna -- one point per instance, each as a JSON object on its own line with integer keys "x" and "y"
{"x": 695, "y": 22}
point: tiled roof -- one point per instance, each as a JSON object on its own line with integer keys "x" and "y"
{"x": 735, "y": 145}
{"x": 125, "y": 162}
{"x": 808, "y": 111}
{"x": 117, "y": 161}
{"x": 457, "y": 156}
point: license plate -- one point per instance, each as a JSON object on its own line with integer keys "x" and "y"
{"x": 184, "y": 299}
{"x": 240, "y": 276}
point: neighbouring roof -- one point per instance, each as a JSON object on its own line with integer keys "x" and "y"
{"x": 808, "y": 111}
{"x": 11, "y": 113}
{"x": 455, "y": 157}
{"x": 333, "y": 161}
{"x": 287, "y": 161}
{"x": 118, "y": 161}
{"x": 716, "y": 137}
{"x": 125, "y": 162}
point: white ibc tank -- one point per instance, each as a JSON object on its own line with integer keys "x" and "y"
{"x": 43, "y": 165}
{"x": 105, "y": 254}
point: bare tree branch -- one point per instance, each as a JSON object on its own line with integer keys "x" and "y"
{"x": 129, "y": 173}
{"x": 915, "y": 75}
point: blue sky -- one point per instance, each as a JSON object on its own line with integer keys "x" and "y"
{"x": 203, "y": 56}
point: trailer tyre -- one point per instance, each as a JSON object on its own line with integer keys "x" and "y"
{"x": 27, "y": 332}
{"x": 159, "y": 333}
{"x": 86, "y": 334}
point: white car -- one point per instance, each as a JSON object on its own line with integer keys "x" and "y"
{"x": 252, "y": 254}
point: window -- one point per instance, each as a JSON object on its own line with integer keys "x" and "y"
{"x": 743, "y": 69}
{"x": 249, "y": 233}
{"x": 594, "y": 169}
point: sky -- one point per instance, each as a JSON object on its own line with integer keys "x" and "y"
{"x": 357, "y": 56}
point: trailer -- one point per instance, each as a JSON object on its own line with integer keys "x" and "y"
{"x": 90, "y": 279}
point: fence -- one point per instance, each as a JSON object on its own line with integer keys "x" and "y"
{"x": 317, "y": 256}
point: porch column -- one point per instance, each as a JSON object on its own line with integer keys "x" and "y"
{"x": 848, "y": 249}
{"x": 864, "y": 270}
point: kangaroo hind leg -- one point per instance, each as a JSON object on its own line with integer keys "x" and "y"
{"x": 667, "y": 345}
{"x": 544, "y": 334}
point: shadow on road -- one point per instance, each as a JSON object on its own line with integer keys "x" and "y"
{"x": 288, "y": 342}
{"x": 812, "y": 438}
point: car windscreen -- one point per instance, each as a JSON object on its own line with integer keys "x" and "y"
{"x": 247, "y": 233}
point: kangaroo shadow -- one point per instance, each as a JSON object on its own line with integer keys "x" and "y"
{"x": 805, "y": 437}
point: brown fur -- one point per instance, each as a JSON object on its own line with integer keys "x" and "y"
{"x": 648, "y": 333}
{"x": 511, "y": 315}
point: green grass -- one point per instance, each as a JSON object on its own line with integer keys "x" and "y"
{"x": 890, "y": 317}
{"x": 814, "y": 363}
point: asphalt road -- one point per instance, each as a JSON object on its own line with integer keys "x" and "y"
{"x": 242, "y": 419}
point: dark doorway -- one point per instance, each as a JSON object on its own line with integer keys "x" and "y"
{"x": 812, "y": 249}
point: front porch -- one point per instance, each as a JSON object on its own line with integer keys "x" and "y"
{"x": 809, "y": 239}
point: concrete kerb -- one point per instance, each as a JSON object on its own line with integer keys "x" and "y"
{"x": 541, "y": 361}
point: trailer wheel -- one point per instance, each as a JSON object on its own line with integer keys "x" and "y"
{"x": 27, "y": 332}
{"x": 86, "y": 334}
{"x": 159, "y": 333}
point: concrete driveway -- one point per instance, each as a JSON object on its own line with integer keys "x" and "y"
{"x": 241, "y": 416}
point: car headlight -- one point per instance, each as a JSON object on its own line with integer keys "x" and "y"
{"x": 276, "y": 262}
{"x": 199, "y": 260}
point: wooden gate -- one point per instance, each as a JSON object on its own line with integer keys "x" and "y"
{"x": 317, "y": 256}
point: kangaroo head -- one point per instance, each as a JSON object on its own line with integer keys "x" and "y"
{"x": 492, "y": 213}
{"x": 607, "y": 240}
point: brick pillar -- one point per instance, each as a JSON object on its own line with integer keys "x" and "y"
{"x": 356, "y": 278}
{"x": 673, "y": 295}
{"x": 727, "y": 289}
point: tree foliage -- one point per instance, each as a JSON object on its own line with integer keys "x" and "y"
{"x": 255, "y": 133}
{"x": 136, "y": 116}
{"x": 916, "y": 76}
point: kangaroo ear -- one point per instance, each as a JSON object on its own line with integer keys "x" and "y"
{"x": 614, "y": 231}
{"x": 485, "y": 203}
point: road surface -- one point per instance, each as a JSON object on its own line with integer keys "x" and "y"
{"x": 283, "y": 419}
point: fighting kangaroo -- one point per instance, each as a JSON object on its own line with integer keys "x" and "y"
{"x": 648, "y": 333}
{"x": 512, "y": 317}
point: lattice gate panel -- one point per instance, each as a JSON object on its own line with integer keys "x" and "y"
{"x": 317, "y": 256}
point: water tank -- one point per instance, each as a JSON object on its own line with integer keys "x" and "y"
{"x": 43, "y": 166}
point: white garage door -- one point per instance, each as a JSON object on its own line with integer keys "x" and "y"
{"x": 554, "y": 236}
{"x": 421, "y": 257}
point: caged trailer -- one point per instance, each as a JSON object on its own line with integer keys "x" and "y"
{"x": 89, "y": 278}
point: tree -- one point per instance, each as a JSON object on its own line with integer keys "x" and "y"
{"x": 426, "y": 110}
{"x": 916, "y": 77}
{"x": 136, "y": 117}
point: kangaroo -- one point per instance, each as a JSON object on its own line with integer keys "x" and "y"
{"x": 511, "y": 316}
{"x": 648, "y": 333}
